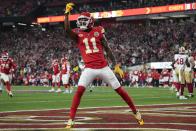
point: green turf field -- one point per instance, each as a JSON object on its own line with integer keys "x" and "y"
{"x": 34, "y": 98}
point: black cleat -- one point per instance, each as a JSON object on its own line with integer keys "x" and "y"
{"x": 190, "y": 95}
{"x": 10, "y": 94}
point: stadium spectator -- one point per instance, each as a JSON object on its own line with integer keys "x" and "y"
{"x": 155, "y": 78}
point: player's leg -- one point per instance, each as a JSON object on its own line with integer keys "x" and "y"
{"x": 176, "y": 81}
{"x": 68, "y": 83}
{"x": 58, "y": 82}
{"x": 109, "y": 77}
{"x": 6, "y": 80}
{"x": 1, "y": 86}
{"x": 53, "y": 83}
{"x": 189, "y": 82}
{"x": 86, "y": 78}
{"x": 182, "y": 85}
{"x": 65, "y": 80}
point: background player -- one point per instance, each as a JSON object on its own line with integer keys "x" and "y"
{"x": 92, "y": 43}
{"x": 189, "y": 73}
{"x": 6, "y": 65}
{"x": 55, "y": 76}
{"x": 179, "y": 65}
{"x": 65, "y": 73}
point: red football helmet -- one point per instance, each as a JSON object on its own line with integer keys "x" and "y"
{"x": 5, "y": 56}
{"x": 85, "y": 21}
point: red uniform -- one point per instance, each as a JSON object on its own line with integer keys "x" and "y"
{"x": 56, "y": 68}
{"x": 65, "y": 67}
{"x": 49, "y": 76}
{"x": 165, "y": 73}
{"x": 7, "y": 66}
{"x": 91, "y": 47}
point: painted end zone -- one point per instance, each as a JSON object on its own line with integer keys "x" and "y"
{"x": 157, "y": 117}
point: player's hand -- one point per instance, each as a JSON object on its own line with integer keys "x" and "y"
{"x": 69, "y": 7}
{"x": 117, "y": 66}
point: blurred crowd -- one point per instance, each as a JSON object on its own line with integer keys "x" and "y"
{"x": 18, "y": 7}
{"x": 133, "y": 43}
{"x": 150, "y": 41}
{"x": 56, "y": 7}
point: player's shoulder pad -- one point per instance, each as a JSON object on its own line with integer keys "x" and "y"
{"x": 10, "y": 59}
{"x": 101, "y": 29}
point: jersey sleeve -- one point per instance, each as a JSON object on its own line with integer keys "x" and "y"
{"x": 13, "y": 64}
{"x": 102, "y": 30}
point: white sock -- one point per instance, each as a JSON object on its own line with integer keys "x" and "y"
{"x": 1, "y": 86}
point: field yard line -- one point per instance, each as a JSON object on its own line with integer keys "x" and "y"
{"x": 97, "y": 90}
{"x": 85, "y": 99}
{"x": 93, "y": 107}
{"x": 79, "y": 123}
{"x": 86, "y": 129}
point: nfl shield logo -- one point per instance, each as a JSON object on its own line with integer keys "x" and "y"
{"x": 96, "y": 34}
{"x": 80, "y": 35}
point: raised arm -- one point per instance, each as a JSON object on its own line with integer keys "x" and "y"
{"x": 67, "y": 26}
{"x": 108, "y": 50}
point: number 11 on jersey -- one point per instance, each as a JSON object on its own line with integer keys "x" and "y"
{"x": 88, "y": 49}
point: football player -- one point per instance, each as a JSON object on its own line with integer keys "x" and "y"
{"x": 165, "y": 77}
{"x": 190, "y": 64}
{"x": 6, "y": 65}
{"x": 65, "y": 73}
{"x": 92, "y": 43}
{"x": 179, "y": 65}
{"x": 55, "y": 76}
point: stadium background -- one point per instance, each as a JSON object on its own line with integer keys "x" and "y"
{"x": 135, "y": 40}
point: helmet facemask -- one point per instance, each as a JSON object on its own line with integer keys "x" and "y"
{"x": 182, "y": 50}
{"x": 84, "y": 22}
{"x": 4, "y": 56}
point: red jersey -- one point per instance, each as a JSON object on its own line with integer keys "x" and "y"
{"x": 65, "y": 67}
{"x": 136, "y": 73}
{"x": 142, "y": 75}
{"x": 155, "y": 75}
{"x": 7, "y": 66}
{"x": 49, "y": 76}
{"x": 149, "y": 75}
{"x": 91, "y": 48}
{"x": 165, "y": 73}
{"x": 56, "y": 68}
